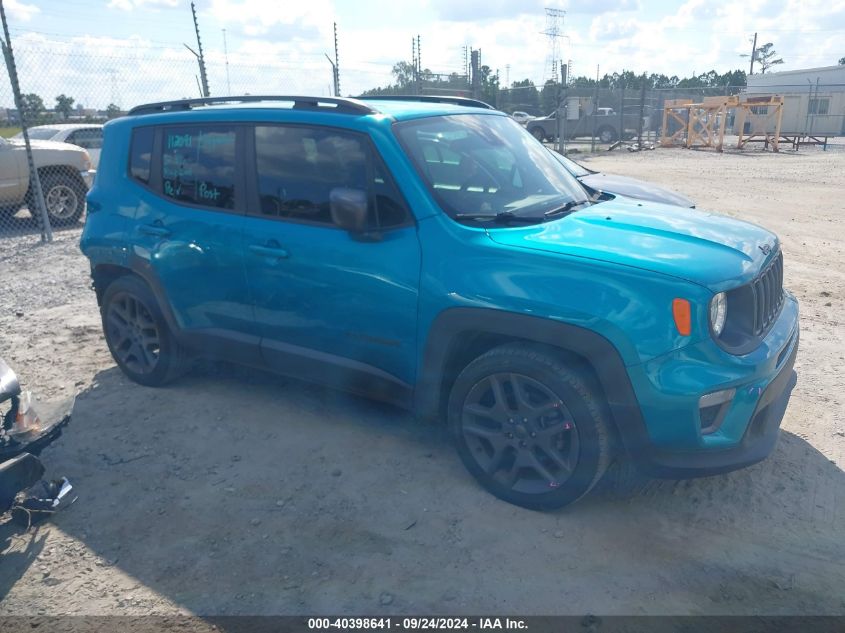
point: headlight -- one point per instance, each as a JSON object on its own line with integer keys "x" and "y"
{"x": 718, "y": 312}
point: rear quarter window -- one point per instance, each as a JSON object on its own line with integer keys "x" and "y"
{"x": 141, "y": 153}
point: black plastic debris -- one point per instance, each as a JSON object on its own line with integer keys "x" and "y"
{"x": 26, "y": 428}
{"x": 17, "y": 474}
{"x": 42, "y": 500}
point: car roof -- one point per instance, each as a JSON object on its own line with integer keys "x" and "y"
{"x": 398, "y": 108}
{"x": 66, "y": 126}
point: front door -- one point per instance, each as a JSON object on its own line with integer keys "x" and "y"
{"x": 331, "y": 306}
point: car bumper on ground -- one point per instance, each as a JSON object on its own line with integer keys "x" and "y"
{"x": 679, "y": 442}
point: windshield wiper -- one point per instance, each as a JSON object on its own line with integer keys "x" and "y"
{"x": 566, "y": 208}
{"x": 503, "y": 217}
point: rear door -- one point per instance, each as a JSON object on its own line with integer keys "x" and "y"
{"x": 189, "y": 229}
{"x": 330, "y": 306}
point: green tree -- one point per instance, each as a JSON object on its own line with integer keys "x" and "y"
{"x": 523, "y": 95}
{"x": 548, "y": 96}
{"x": 32, "y": 107}
{"x": 64, "y": 104}
{"x": 112, "y": 111}
{"x": 489, "y": 85}
{"x": 767, "y": 56}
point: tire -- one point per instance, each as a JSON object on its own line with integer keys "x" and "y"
{"x": 538, "y": 133}
{"x": 137, "y": 334}
{"x": 542, "y": 453}
{"x": 64, "y": 196}
{"x": 607, "y": 134}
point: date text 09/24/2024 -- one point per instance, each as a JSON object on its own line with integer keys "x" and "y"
{"x": 418, "y": 623}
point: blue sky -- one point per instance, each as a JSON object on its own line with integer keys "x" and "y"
{"x": 131, "y": 50}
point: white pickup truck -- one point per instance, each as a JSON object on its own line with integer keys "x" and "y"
{"x": 65, "y": 172}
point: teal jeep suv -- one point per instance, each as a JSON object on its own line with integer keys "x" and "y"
{"x": 431, "y": 253}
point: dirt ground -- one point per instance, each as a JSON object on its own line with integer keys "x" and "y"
{"x": 237, "y": 492}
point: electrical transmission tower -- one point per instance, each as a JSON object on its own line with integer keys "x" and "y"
{"x": 553, "y": 33}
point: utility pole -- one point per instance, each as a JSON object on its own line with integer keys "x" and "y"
{"x": 419, "y": 67}
{"x": 336, "y": 65}
{"x": 476, "y": 77}
{"x": 507, "y": 75}
{"x": 753, "y": 55}
{"x": 199, "y": 56}
{"x": 226, "y": 56}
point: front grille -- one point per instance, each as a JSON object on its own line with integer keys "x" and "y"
{"x": 768, "y": 295}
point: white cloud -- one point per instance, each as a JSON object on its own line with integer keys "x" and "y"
{"x": 130, "y": 5}
{"x": 20, "y": 10}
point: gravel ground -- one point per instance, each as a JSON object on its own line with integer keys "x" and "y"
{"x": 236, "y": 492}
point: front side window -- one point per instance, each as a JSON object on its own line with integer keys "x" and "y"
{"x": 487, "y": 165}
{"x": 198, "y": 165}
{"x": 298, "y": 166}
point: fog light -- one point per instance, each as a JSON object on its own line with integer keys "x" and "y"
{"x": 712, "y": 408}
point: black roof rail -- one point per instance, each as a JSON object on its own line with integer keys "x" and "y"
{"x": 463, "y": 101}
{"x": 335, "y": 104}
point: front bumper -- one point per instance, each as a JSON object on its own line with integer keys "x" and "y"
{"x": 757, "y": 442}
{"x": 671, "y": 442}
{"x": 88, "y": 177}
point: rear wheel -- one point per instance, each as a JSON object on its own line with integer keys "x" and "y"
{"x": 137, "y": 334}
{"x": 528, "y": 427}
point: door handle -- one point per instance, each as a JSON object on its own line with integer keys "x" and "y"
{"x": 156, "y": 230}
{"x": 273, "y": 250}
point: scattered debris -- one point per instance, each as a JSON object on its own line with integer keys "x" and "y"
{"x": 23, "y": 433}
{"x": 385, "y": 598}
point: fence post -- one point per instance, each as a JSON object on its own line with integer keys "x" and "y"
{"x": 621, "y": 116}
{"x": 642, "y": 114}
{"x": 34, "y": 180}
{"x": 595, "y": 114}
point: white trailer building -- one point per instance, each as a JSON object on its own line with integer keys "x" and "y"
{"x": 814, "y": 99}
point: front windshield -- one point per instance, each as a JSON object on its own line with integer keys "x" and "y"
{"x": 487, "y": 165}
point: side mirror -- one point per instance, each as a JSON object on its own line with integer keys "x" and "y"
{"x": 349, "y": 209}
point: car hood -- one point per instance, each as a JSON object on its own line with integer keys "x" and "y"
{"x": 52, "y": 145}
{"x": 705, "y": 248}
{"x": 634, "y": 188}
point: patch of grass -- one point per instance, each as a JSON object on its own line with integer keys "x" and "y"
{"x": 7, "y": 132}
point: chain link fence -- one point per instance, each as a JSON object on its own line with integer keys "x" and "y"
{"x": 69, "y": 91}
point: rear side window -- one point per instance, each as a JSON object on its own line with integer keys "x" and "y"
{"x": 140, "y": 154}
{"x": 298, "y": 166}
{"x": 198, "y": 165}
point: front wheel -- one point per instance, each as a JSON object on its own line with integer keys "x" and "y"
{"x": 538, "y": 133}
{"x": 529, "y": 428}
{"x": 64, "y": 196}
